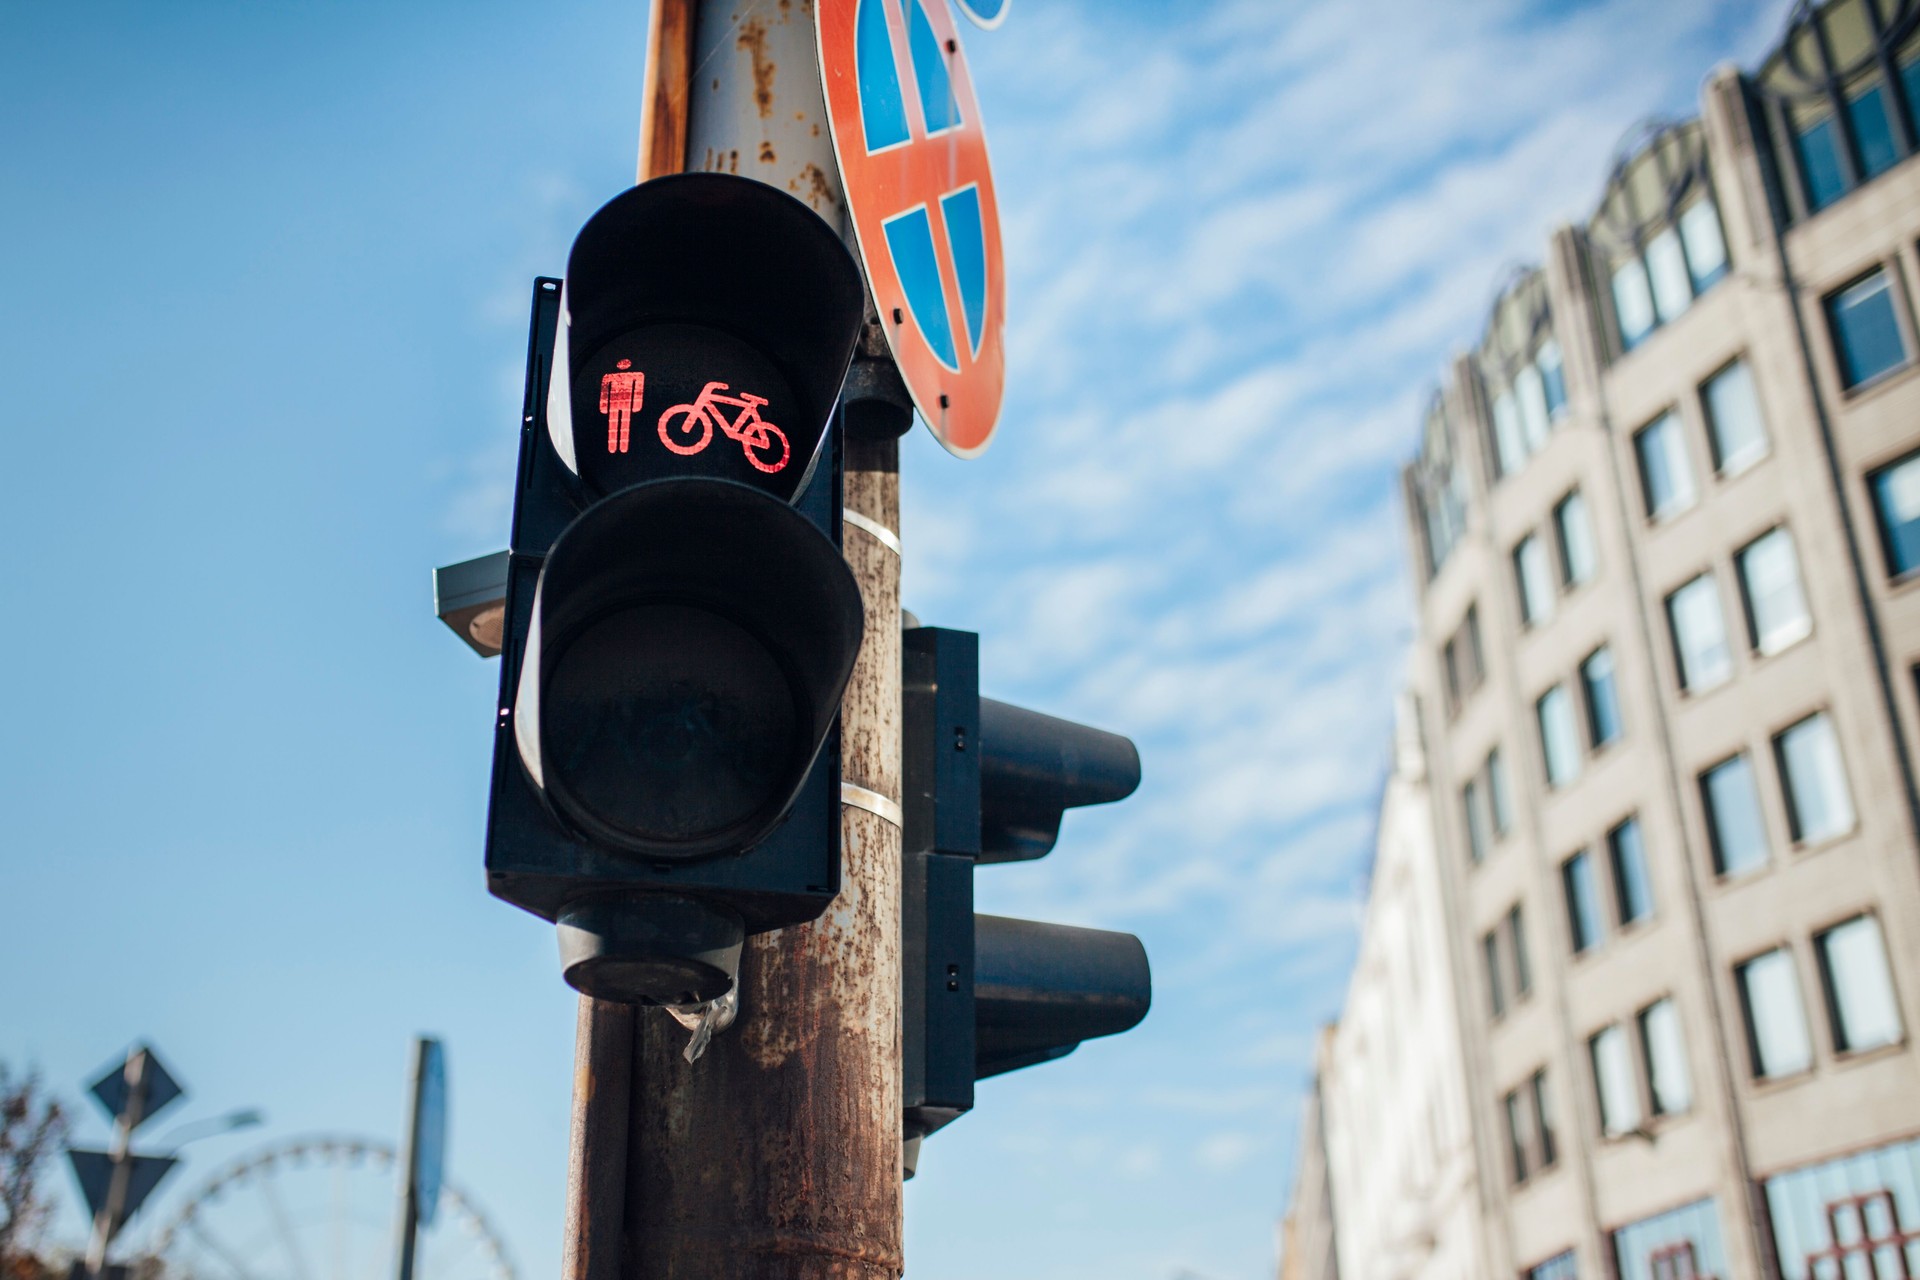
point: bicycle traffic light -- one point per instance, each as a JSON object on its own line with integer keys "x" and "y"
{"x": 679, "y": 621}
{"x": 990, "y": 782}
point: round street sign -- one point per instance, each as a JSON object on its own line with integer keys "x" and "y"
{"x": 986, "y": 14}
{"x": 913, "y": 157}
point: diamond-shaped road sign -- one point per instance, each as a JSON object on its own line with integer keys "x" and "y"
{"x": 111, "y": 1088}
{"x": 93, "y": 1170}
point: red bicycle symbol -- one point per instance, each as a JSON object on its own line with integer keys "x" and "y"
{"x": 764, "y": 444}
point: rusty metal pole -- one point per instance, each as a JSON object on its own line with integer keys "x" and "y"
{"x": 603, "y": 1083}
{"x": 777, "y": 1154}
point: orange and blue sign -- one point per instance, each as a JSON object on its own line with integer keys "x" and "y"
{"x": 913, "y": 158}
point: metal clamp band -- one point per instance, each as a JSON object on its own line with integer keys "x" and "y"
{"x": 885, "y": 536}
{"x": 872, "y": 801}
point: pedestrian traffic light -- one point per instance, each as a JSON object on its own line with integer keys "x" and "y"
{"x": 679, "y": 621}
{"x": 989, "y": 782}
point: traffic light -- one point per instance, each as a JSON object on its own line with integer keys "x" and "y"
{"x": 988, "y": 782}
{"x": 679, "y": 622}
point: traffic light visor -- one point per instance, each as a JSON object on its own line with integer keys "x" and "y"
{"x": 690, "y": 643}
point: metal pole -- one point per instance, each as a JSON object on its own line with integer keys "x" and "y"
{"x": 107, "y": 1222}
{"x": 778, "y": 1152}
{"x": 409, "y": 1226}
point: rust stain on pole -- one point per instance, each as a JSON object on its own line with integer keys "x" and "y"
{"x": 597, "y": 1158}
{"x": 666, "y": 89}
{"x": 778, "y": 1153}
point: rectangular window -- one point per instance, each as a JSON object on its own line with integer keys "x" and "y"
{"x": 1562, "y": 1266}
{"x": 1496, "y": 772}
{"x": 1872, "y": 131}
{"x": 1450, "y": 668}
{"x": 1553, "y": 377}
{"x": 1517, "y": 945}
{"x": 1770, "y": 582}
{"x": 1666, "y": 481}
{"x": 1738, "y": 832}
{"x": 1896, "y": 501}
{"x": 1861, "y": 1007}
{"x": 1535, "y": 578}
{"x": 1519, "y": 1134}
{"x": 1577, "y": 556}
{"x": 1613, "y": 1081}
{"x": 1559, "y": 737}
{"x": 1496, "y": 985}
{"x": 1818, "y": 146}
{"x": 1776, "y": 1021}
{"x": 1479, "y": 814}
{"x": 1706, "y": 247}
{"x": 1632, "y": 303}
{"x": 1510, "y": 449}
{"x": 1866, "y": 331}
{"x": 1543, "y": 1118}
{"x": 1699, "y": 634}
{"x": 1818, "y": 805}
{"x": 1734, "y": 424}
{"x": 1667, "y": 265}
{"x": 1664, "y": 1050}
{"x": 1532, "y": 394}
{"x": 1602, "y": 698}
{"x": 1632, "y": 891}
{"x": 1583, "y": 901}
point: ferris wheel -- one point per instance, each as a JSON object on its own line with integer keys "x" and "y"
{"x": 319, "y": 1208}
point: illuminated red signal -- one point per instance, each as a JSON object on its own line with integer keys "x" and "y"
{"x": 620, "y": 395}
{"x": 688, "y": 428}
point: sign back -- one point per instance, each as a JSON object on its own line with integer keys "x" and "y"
{"x": 913, "y": 158}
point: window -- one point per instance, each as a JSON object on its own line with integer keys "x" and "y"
{"x": 1559, "y": 738}
{"x": 1738, "y": 833}
{"x": 1632, "y": 891}
{"x": 1561, "y": 1266}
{"x": 1496, "y": 985}
{"x": 1861, "y": 1008}
{"x": 1510, "y": 447}
{"x": 1706, "y": 247}
{"x": 1530, "y": 570}
{"x": 1866, "y": 331}
{"x": 1699, "y": 635}
{"x": 1667, "y": 268}
{"x": 1517, "y": 944}
{"x": 1632, "y": 304}
{"x": 1666, "y": 481}
{"x": 1770, "y": 584}
{"x": 1818, "y": 806}
{"x": 1663, "y": 1049}
{"x": 1496, "y": 772}
{"x": 1896, "y": 500}
{"x": 1734, "y": 425}
{"x": 1584, "y": 925}
{"x": 1613, "y": 1081}
{"x": 1872, "y": 131}
{"x": 1577, "y": 556}
{"x": 1776, "y": 1025}
{"x": 1602, "y": 698}
{"x": 1543, "y": 1118}
{"x": 1479, "y": 814}
{"x": 1520, "y": 1137}
{"x": 1463, "y": 659}
{"x": 1553, "y": 377}
{"x": 1818, "y": 146}
{"x": 1530, "y": 1142}
{"x": 1531, "y": 391}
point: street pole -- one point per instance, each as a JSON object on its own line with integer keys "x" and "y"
{"x": 106, "y": 1223}
{"x": 777, "y": 1153}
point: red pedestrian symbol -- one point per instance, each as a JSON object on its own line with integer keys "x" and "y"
{"x": 688, "y": 428}
{"x": 620, "y": 394}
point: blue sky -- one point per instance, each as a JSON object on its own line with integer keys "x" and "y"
{"x": 269, "y": 268}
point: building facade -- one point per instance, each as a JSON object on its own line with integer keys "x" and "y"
{"x": 1667, "y": 521}
{"x": 1392, "y": 1085}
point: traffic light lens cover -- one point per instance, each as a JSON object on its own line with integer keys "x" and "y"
{"x": 670, "y": 724}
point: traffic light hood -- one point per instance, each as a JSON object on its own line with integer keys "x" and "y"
{"x": 688, "y": 648}
{"x": 707, "y": 324}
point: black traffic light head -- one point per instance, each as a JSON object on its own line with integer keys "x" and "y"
{"x": 679, "y": 623}
{"x": 989, "y": 782}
